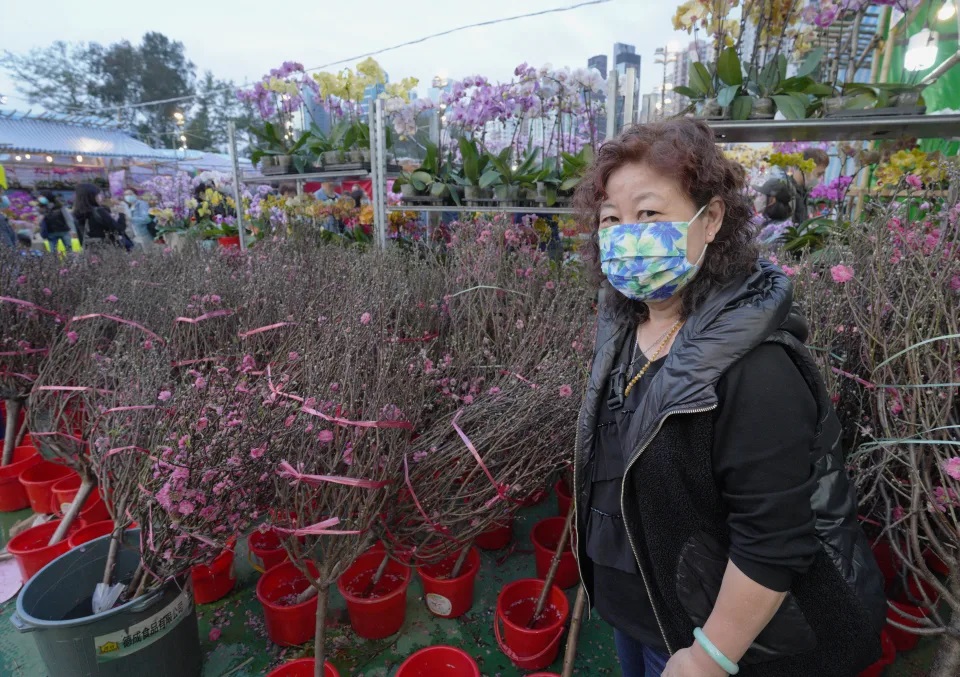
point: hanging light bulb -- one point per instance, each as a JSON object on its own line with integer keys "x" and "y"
{"x": 947, "y": 10}
{"x": 79, "y": 158}
{"x": 27, "y": 156}
{"x": 18, "y": 158}
{"x": 49, "y": 159}
{"x": 921, "y": 51}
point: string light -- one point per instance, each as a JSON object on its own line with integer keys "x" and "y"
{"x": 49, "y": 159}
{"x": 79, "y": 158}
{"x": 27, "y": 156}
{"x": 18, "y": 158}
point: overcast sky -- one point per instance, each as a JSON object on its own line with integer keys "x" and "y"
{"x": 242, "y": 39}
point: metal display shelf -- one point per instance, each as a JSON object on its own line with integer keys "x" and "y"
{"x": 434, "y": 209}
{"x": 875, "y": 128}
{"x": 318, "y": 176}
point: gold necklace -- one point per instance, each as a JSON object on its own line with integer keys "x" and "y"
{"x": 643, "y": 369}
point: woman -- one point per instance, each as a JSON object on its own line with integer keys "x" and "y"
{"x": 54, "y": 227}
{"x": 94, "y": 223}
{"x": 716, "y": 527}
{"x": 139, "y": 217}
{"x": 774, "y": 214}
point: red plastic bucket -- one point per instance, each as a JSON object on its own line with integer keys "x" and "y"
{"x": 31, "y": 551}
{"x": 916, "y": 588}
{"x": 38, "y": 480}
{"x": 450, "y": 597}
{"x": 936, "y": 564}
{"x": 886, "y": 560}
{"x": 229, "y": 242}
{"x": 530, "y": 649}
{"x": 903, "y": 640}
{"x": 13, "y": 496}
{"x": 382, "y": 612}
{"x": 536, "y": 498}
{"x": 91, "y": 532}
{"x": 564, "y": 500}
{"x": 545, "y": 536}
{"x": 288, "y": 624}
{"x": 439, "y": 661}
{"x": 302, "y": 667}
{"x": 265, "y": 549}
{"x": 64, "y": 491}
{"x": 214, "y": 581}
{"x": 889, "y": 656}
{"x": 497, "y": 537}
{"x": 95, "y": 510}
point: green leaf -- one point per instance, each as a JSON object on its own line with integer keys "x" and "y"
{"x": 728, "y": 67}
{"x": 438, "y": 189}
{"x": 819, "y": 90}
{"x": 792, "y": 106}
{"x": 862, "y": 101}
{"x": 489, "y": 178}
{"x": 726, "y": 95}
{"x": 471, "y": 161}
{"x": 781, "y": 62}
{"x": 810, "y": 62}
{"x": 570, "y": 183}
{"x": 769, "y": 77}
{"x": 796, "y": 84}
{"x": 741, "y": 107}
{"x": 700, "y": 79}
{"x": 551, "y": 193}
{"x": 688, "y": 92}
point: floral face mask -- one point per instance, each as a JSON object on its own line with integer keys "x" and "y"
{"x": 648, "y": 261}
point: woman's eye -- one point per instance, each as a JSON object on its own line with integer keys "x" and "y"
{"x": 647, "y": 214}
{"x": 607, "y": 220}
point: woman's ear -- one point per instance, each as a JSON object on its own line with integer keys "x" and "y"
{"x": 713, "y": 218}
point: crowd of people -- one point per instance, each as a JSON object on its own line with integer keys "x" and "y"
{"x": 91, "y": 218}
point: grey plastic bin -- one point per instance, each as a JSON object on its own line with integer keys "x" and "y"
{"x": 154, "y": 636}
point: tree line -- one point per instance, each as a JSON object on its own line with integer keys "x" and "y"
{"x": 106, "y": 80}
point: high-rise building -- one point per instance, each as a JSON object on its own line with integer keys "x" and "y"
{"x": 371, "y": 92}
{"x": 600, "y": 63}
{"x": 438, "y": 87}
{"x": 624, "y": 57}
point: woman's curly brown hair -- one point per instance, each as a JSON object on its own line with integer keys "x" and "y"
{"x": 684, "y": 149}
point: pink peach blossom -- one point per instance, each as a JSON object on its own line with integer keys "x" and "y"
{"x": 841, "y": 273}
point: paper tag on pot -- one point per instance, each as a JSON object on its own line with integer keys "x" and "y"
{"x": 438, "y": 604}
{"x": 114, "y": 645}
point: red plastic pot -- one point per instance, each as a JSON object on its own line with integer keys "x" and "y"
{"x": 91, "y": 532}
{"x": 302, "y": 667}
{"x": 31, "y": 551}
{"x": 229, "y": 242}
{"x": 378, "y": 613}
{"x": 915, "y": 591}
{"x": 903, "y": 640}
{"x": 450, "y": 597}
{"x": 536, "y": 498}
{"x": 38, "y": 480}
{"x": 564, "y": 500}
{"x": 287, "y": 624}
{"x": 936, "y": 564}
{"x": 216, "y": 580}
{"x": 886, "y": 560}
{"x": 530, "y": 648}
{"x": 65, "y": 491}
{"x": 889, "y": 656}
{"x": 545, "y": 536}
{"x": 439, "y": 661}
{"x": 265, "y": 549}
{"x": 13, "y": 496}
{"x": 496, "y": 538}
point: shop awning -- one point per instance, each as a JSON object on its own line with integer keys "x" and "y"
{"x": 22, "y": 134}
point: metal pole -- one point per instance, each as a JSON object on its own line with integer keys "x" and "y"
{"x": 374, "y": 169}
{"x": 237, "y": 196}
{"x": 612, "y": 104}
{"x": 629, "y": 91}
{"x": 382, "y": 170}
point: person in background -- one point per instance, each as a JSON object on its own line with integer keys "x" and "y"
{"x": 359, "y": 196}
{"x": 94, "y": 223}
{"x": 773, "y": 217}
{"x": 139, "y": 218}
{"x": 25, "y": 244}
{"x": 326, "y": 192}
{"x": 804, "y": 183}
{"x": 54, "y": 227}
{"x": 8, "y": 238}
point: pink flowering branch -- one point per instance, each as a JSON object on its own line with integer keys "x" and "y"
{"x": 130, "y": 323}
{"x": 287, "y": 471}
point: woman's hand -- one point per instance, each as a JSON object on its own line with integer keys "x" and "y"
{"x": 692, "y": 662}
